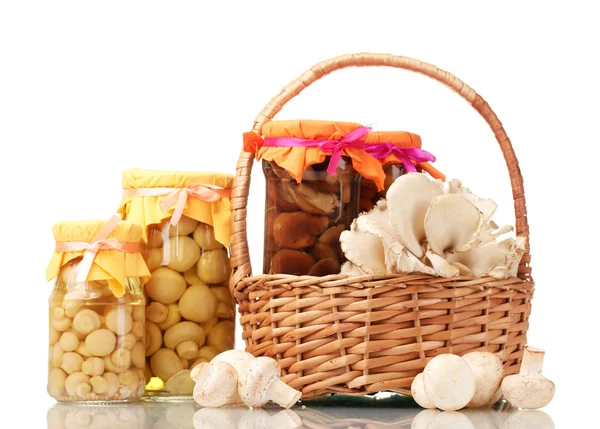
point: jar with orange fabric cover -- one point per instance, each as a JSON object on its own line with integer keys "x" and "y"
{"x": 319, "y": 176}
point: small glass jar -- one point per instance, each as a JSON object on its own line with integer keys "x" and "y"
{"x": 96, "y": 327}
{"x": 303, "y": 221}
{"x": 190, "y": 313}
{"x": 369, "y": 194}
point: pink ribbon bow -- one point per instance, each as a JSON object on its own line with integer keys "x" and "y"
{"x": 98, "y": 243}
{"x": 335, "y": 147}
{"x": 406, "y": 154}
{"x": 177, "y": 197}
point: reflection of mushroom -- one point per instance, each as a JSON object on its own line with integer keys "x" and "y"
{"x": 314, "y": 202}
{"x": 153, "y": 338}
{"x": 418, "y": 393}
{"x": 165, "y": 286}
{"x": 260, "y": 384}
{"x": 449, "y": 382}
{"x": 325, "y": 267}
{"x": 165, "y": 363}
{"x": 257, "y": 418}
{"x": 489, "y": 372}
{"x": 298, "y": 230}
{"x": 198, "y": 303}
{"x": 216, "y": 384}
{"x": 525, "y": 419}
{"x": 186, "y": 338}
{"x": 213, "y": 266}
{"x": 101, "y": 342}
{"x": 408, "y": 199}
{"x": 451, "y": 224}
{"x": 212, "y": 418}
{"x": 529, "y": 389}
{"x": 204, "y": 236}
{"x": 183, "y": 253}
{"x": 288, "y": 261}
{"x": 451, "y": 419}
{"x": 422, "y": 420}
{"x": 483, "y": 418}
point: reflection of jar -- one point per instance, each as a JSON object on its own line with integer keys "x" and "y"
{"x": 129, "y": 416}
{"x": 96, "y": 312}
{"x": 320, "y": 175}
{"x": 190, "y": 314}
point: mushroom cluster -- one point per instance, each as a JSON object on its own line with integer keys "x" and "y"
{"x": 96, "y": 343}
{"x": 236, "y": 377}
{"x": 189, "y": 312}
{"x": 429, "y": 227}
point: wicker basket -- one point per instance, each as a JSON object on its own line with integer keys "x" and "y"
{"x": 362, "y": 334}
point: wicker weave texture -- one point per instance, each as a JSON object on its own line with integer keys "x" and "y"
{"x": 363, "y": 334}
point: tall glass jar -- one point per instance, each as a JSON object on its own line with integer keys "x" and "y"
{"x": 303, "y": 221}
{"x": 190, "y": 314}
{"x": 96, "y": 314}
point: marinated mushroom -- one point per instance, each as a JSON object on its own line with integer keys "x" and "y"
{"x": 185, "y": 226}
{"x": 101, "y": 342}
{"x": 99, "y": 384}
{"x": 157, "y": 312}
{"x": 68, "y": 341}
{"x": 204, "y": 236}
{"x": 56, "y": 355}
{"x": 183, "y": 253}
{"x": 113, "y": 383}
{"x": 298, "y": 230}
{"x": 56, "y": 381}
{"x": 198, "y": 303}
{"x": 288, "y": 261}
{"x": 54, "y": 336}
{"x": 213, "y": 266}
{"x": 153, "y": 338}
{"x": 71, "y": 363}
{"x": 325, "y": 267}
{"x": 312, "y": 201}
{"x": 173, "y": 316}
{"x": 165, "y": 286}
{"x": 121, "y": 358}
{"x": 86, "y": 321}
{"x": 279, "y": 193}
{"x": 93, "y": 366}
{"x": 138, "y": 355}
{"x": 126, "y": 341}
{"x": 74, "y": 380}
{"x": 119, "y": 321}
{"x": 165, "y": 363}
{"x": 153, "y": 258}
{"x": 59, "y": 321}
{"x": 186, "y": 338}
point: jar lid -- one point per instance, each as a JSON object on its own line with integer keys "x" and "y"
{"x": 207, "y": 199}
{"x": 107, "y": 250}
{"x": 297, "y": 144}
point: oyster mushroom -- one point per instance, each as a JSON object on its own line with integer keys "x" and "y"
{"x": 451, "y": 224}
{"x": 408, "y": 199}
{"x": 364, "y": 250}
{"x": 350, "y": 269}
{"x": 496, "y": 259}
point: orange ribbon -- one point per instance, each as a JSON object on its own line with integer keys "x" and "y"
{"x": 177, "y": 197}
{"x": 98, "y": 243}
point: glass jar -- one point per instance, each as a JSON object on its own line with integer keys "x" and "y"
{"x": 369, "y": 194}
{"x": 303, "y": 221}
{"x": 96, "y": 321}
{"x": 190, "y": 313}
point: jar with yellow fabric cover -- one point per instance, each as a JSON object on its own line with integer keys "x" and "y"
{"x": 190, "y": 314}
{"x": 320, "y": 175}
{"x": 96, "y": 312}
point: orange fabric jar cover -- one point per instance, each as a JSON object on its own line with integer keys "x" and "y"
{"x": 296, "y": 158}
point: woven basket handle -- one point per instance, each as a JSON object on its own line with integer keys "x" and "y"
{"x": 240, "y": 255}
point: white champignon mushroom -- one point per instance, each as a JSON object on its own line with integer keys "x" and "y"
{"x": 408, "y": 199}
{"x": 489, "y": 373}
{"x": 497, "y": 396}
{"x": 452, "y": 224}
{"x": 529, "y": 389}
{"x": 261, "y": 384}
{"x": 216, "y": 384}
{"x": 525, "y": 419}
{"x": 449, "y": 382}
{"x": 364, "y": 250}
{"x": 418, "y": 393}
{"x": 451, "y": 419}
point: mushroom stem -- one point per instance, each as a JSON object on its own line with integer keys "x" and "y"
{"x": 282, "y": 394}
{"x": 533, "y": 359}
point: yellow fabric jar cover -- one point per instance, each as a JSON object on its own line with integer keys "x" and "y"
{"x": 111, "y": 265}
{"x": 146, "y": 210}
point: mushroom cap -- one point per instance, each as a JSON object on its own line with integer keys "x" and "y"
{"x": 198, "y": 303}
{"x": 183, "y": 253}
{"x": 489, "y": 372}
{"x": 165, "y": 363}
{"x": 298, "y": 230}
{"x": 408, "y": 199}
{"x": 364, "y": 250}
{"x": 184, "y": 331}
{"x": 288, "y": 261}
{"x": 216, "y": 383}
{"x": 311, "y": 201}
{"x": 279, "y": 192}
{"x": 252, "y": 384}
{"x": 418, "y": 393}
{"x": 165, "y": 286}
{"x": 528, "y": 391}
{"x": 213, "y": 266}
{"x": 449, "y": 382}
{"x": 204, "y": 236}
{"x": 451, "y": 224}
{"x": 239, "y": 359}
{"x": 325, "y": 267}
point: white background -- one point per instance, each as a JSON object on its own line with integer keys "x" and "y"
{"x": 88, "y": 89}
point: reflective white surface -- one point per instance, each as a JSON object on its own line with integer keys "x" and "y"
{"x": 332, "y": 412}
